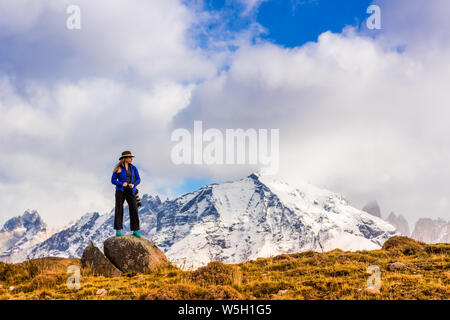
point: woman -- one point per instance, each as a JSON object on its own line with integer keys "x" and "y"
{"x": 126, "y": 177}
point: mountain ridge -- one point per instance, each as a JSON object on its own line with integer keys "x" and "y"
{"x": 235, "y": 221}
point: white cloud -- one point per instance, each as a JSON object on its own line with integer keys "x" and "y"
{"x": 355, "y": 115}
{"x": 117, "y": 39}
{"x": 55, "y": 159}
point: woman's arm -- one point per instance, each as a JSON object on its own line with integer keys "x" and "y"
{"x": 137, "y": 179}
{"x": 115, "y": 179}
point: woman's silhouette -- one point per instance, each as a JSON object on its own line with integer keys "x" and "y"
{"x": 126, "y": 177}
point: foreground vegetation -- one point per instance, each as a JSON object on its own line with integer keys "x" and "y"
{"x": 409, "y": 270}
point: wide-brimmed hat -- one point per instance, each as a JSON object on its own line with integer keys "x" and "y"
{"x": 126, "y": 154}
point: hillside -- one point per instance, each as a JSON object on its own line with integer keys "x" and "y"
{"x": 421, "y": 271}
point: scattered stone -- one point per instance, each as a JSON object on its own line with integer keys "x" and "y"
{"x": 397, "y": 266}
{"x": 134, "y": 255}
{"x": 282, "y": 292}
{"x": 97, "y": 261}
{"x": 372, "y": 290}
{"x": 102, "y": 292}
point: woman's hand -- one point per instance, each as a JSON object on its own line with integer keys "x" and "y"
{"x": 131, "y": 185}
{"x": 124, "y": 184}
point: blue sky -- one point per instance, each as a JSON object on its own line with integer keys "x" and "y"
{"x": 292, "y": 23}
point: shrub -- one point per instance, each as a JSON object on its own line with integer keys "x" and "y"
{"x": 220, "y": 293}
{"x": 176, "y": 292}
{"x": 11, "y": 273}
{"x": 403, "y": 245}
{"x": 45, "y": 281}
{"x": 215, "y": 272}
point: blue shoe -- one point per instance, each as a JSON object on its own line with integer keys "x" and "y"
{"x": 137, "y": 233}
{"x": 118, "y": 233}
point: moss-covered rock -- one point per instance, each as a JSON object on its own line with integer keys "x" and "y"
{"x": 97, "y": 262}
{"x": 134, "y": 255}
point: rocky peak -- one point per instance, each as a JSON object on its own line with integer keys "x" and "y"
{"x": 151, "y": 202}
{"x": 373, "y": 208}
{"x": 400, "y": 223}
{"x": 432, "y": 231}
{"x": 29, "y": 220}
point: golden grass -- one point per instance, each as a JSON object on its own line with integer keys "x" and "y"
{"x": 307, "y": 275}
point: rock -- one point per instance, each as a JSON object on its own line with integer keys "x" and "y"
{"x": 281, "y": 292}
{"x": 97, "y": 261}
{"x": 372, "y": 208}
{"x": 372, "y": 290}
{"x": 432, "y": 230}
{"x": 102, "y": 292}
{"x": 397, "y": 266}
{"x": 11, "y": 288}
{"x": 134, "y": 255}
{"x": 400, "y": 223}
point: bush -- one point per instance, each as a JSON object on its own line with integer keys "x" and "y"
{"x": 403, "y": 245}
{"x": 11, "y": 273}
{"x": 221, "y": 293}
{"x": 176, "y": 292}
{"x": 215, "y": 272}
{"x": 45, "y": 281}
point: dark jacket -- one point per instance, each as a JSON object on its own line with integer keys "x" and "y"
{"x": 119, "y": 178}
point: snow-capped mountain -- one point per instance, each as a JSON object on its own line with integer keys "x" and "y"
{"x": 432, "y": 230}
{"x": 20, "y": 234}
{"x": 257, "y": 216}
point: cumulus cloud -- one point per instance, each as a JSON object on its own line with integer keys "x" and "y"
{"x": 355, "y": 115}
{"x": 71, "y": 101}
{"x": 144, "y": 39}
{"x": 360, "y": 114}
{"x": 60, "y": 158}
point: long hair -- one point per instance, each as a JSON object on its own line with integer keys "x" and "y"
{"x": 118, "y": 168}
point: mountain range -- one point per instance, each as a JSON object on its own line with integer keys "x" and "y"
{"x": 20, "y": 234}
{"x": 257, "y": 216}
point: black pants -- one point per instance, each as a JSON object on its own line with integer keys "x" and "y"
{"x": 121, "y": 196}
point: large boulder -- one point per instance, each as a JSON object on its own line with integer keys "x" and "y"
{"x": 94, "y": 259}
{"x": 134, "y": 255}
